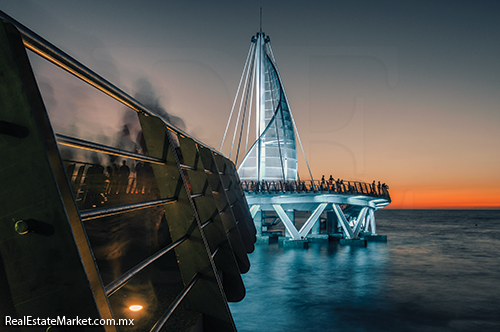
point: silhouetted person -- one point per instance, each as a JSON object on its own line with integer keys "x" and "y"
{"x": 374, "y": 191}
{"x": 139, "y": 174}
{"x": 379, "y": 192}
{"x": 384, "y": 189}
{"x": 115, "y": 180}
{"x": 149, "y": 179}
{"x": 330, "y": 182}
{"x": 124, "y": 173}
{"x": 94, "y": 183}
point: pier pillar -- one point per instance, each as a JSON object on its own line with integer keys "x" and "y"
{"x": 289, "y": 243}
{"x": 315, "y": 228}
{"x": 372, "y": 220}
{"x": 257, "y": 220}
{"x": 331, "y": 222}
{"x": 291, "y": 216}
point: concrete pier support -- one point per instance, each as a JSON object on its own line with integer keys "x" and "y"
{"x": 291, "y": 216}
{"x": 290, "y": 227}
{"x": 316, "y": 227}
{"x": 372, "y": 221}
{"x": 353, "y": 242}
{"x": 257, "y": 220}
{"x": 287, "y": 242}
{"x": 348, "y": 224}
{"x": 330, "y": 221}
{"x": 318, "y": 237}
{"x": 374, "y": 237}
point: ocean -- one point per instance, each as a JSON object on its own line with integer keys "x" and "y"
{"x": 439, "y": 271}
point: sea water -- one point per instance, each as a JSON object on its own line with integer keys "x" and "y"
{"x": 438, "y": 271}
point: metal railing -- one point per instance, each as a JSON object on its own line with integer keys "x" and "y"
{"x": 96, "y": 147}
{"x": 318, "y": 186}
{"x": 119, "y": 282}
{"x": 161, "y": 322}
{"x": 51, "y": 53}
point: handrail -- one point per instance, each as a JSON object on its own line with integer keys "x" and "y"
{"x": 50, "y": 52}
{"x": 338, "y": 187}
{"x": 119, "y": 282}
{"x": 45, "y": 49}
{"x": 159, "y": 324}
{"x": 111, "y": 211}
{"x": 92, "y": 146}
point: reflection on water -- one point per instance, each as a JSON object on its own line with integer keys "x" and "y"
{"x": 291, "y": 289}
{"x": 438, "y": 272}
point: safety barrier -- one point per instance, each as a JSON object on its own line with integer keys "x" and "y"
{"x": 82, "y": 237}
{"x": 317, "y": 186}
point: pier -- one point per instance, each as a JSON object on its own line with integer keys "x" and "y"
{"x": 326, "y": 209}
{"x": 344, "y": 214}
{"x": 152, "y": 225}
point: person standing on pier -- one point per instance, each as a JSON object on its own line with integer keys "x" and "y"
{"x": 330, "y": 183}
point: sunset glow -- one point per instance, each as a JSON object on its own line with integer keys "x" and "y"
{"x": 373, "y": 94}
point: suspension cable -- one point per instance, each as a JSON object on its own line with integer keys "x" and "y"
{"x": 248, "y": 71}
{"x": 236, "y": 97}
{"x": 250, "y": 113}
{"x": 294, "y": 125}
{"x": 248, "y": 90}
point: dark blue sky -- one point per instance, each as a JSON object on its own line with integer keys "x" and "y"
{"x": 405, "y": 92}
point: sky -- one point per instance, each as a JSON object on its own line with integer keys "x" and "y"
{"x": 406, "y": 93}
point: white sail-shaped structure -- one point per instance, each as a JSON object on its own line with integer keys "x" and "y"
{"x": 268, "y": 169}
{"x": 273, "y": 155}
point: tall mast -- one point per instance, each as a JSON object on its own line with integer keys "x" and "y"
{"x": 260, "y": 118}
{"x": 260, "y": 19}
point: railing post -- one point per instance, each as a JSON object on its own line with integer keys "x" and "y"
{"x": 49, "y": 265}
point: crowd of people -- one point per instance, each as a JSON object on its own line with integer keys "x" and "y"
{"x": 94, "y": 183}
{"x": 331, "y": 185}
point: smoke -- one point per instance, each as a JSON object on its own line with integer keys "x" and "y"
{"x": 147, "y": 95}
{"x": 80, "y": 111}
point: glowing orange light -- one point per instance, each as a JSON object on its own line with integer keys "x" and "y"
{"x": 135, "y": 307}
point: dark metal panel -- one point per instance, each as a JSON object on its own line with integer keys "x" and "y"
{"x": 193, "y": 255}
{"x": 50, "y": 269}
{"x": 237, "y": 200}
{"x": 209, "y": 215}
{"x": 226, "y": 212}
{"x": 154, "y": 288}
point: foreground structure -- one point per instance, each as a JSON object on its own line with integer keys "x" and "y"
{"x": 81, "y": 237}
{"x": 269, "y": 166}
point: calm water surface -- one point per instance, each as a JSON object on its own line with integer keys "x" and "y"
{"x": 439, "y": 271}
